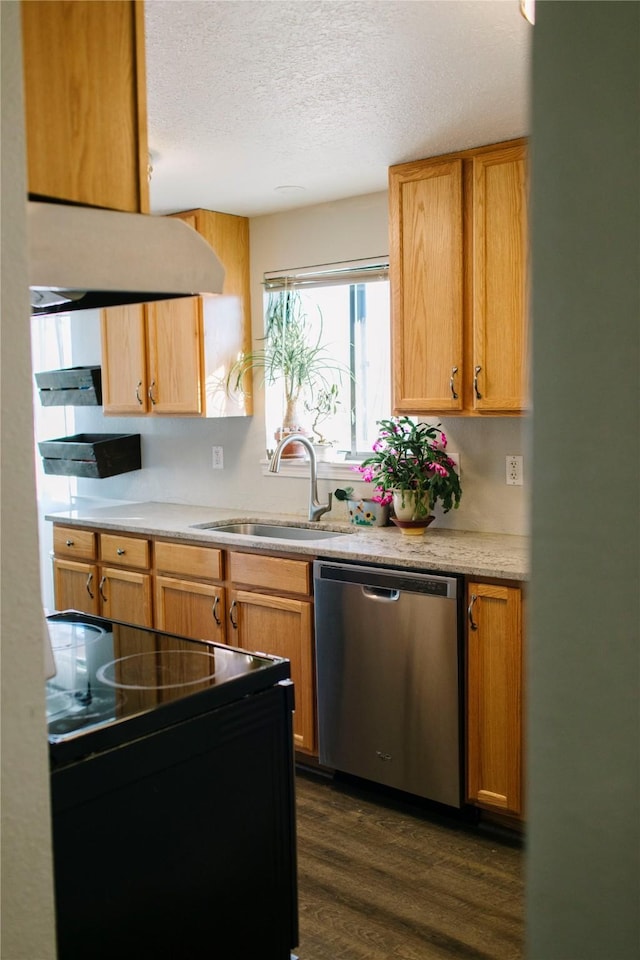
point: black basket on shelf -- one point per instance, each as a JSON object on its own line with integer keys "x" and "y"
{"x": 91, "y": 454}
{"x": 73, "y": 387}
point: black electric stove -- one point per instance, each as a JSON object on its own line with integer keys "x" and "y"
{"x": 172, "y": 795}
{"x": 115, "y": 681}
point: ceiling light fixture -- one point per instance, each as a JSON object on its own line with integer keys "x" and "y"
{"x": 290, "y": 188}
{"x": 528, "y": 10}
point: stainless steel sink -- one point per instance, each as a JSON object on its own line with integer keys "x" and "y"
{"x": 277, "y": 531}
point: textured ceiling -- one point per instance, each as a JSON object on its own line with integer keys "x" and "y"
{"x": 249, "y": 96}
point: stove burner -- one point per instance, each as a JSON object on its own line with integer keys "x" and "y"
{"x": 163, "y": 670}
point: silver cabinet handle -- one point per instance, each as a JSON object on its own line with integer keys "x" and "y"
{"x": 120, "y": 551}
{"x": 214, "y": 611}
{"x": 150, "y": 393}
{"x": 88, "y": 586}
{"x": 454, "y": 395}
{"x": 234, "y": 623}
{"x": 472, "y": 624}
{"x": 475, "y": 383}
{"x": 69, "y": 543}
{"x": 100, "y": 586}
{"x": 138, "y": 397}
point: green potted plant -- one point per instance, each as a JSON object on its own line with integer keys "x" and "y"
{"x": 323, "y": 404}
{"x": 411, "y": 468}
{"x": 292, "y": 355}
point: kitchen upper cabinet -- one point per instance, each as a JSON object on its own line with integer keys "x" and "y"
{"x": 85, "y": 102}
{"x": 172, "y": 357}
{"x": 270, "y": 610}
{"x": 500, "y": 226}
{"x": 151, "y": 358}
{"x": 124, "y": 360}
{"x": 458, "y": 267}
{"x": 227, "y": 327}
{"x": 494, "y": 697}
{"x": 426, "y": 269}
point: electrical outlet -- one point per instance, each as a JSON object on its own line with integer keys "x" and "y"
{"x": 218, "y": 459}
{"x": 514, "y": 470}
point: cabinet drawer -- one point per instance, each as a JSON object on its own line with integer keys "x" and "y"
{"x": 270, "y": 573}
{"x": 125, "y": 551}
{"x": 205, "y": 563}
{"x": 73, "y": 542}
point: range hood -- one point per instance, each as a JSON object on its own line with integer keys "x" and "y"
{"x": 85, "y": 257}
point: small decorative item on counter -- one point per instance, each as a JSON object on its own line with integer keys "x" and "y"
{"x": 362, "y": 512}
{"x": 409, "y": 466}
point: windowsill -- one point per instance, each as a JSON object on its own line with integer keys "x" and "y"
{"x": 327, "y": 469}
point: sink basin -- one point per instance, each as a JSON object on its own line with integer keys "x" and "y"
{"x": 277, "y": 531}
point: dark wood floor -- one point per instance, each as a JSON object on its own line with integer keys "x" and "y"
{"x": 380, "y": 878}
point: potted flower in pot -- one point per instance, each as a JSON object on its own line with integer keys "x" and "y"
{"x": 410, "y": 466}
{"x": 291, "y": 355}
{"x": 323, "y": 404}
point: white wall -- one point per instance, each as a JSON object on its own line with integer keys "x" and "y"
{"x": 27, "y": 895}
{"x": 177, "y": 453}
{"x": 584, "y": 662}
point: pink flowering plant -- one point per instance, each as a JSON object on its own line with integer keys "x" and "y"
{"x": 411, "y": 458}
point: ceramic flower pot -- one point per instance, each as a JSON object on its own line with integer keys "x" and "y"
{"x": 368, "y": 513}
{"x": 406, "y": 506}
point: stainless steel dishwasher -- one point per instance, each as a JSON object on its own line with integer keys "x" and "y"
{"x": 389, "y": 677}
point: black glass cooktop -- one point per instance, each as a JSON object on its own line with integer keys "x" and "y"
{"x": 115, "y": 681}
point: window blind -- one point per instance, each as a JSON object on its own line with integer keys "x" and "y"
{"x": 329, "y": 274}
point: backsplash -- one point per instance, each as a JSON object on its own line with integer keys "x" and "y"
{"x": 177, "y": 467}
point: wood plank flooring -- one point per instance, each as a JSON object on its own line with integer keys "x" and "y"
{"x": 380, "y": 879}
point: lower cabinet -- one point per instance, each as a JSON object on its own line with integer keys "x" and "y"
{"x": 189, "y": 599}
{"x": 495, "y": 697}
{"x": 263, "y": 619}
{"x": 75, "y": 585}
{"x": 119, "y": 588}
{"x": 125, "y": 595}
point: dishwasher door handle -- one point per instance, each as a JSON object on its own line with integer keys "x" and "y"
{"x": 387, "y": 594}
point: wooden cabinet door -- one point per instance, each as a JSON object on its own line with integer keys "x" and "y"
{"x": 494, "y": 697}
{"x": 75, "y": 586}
{"x": 124, "y": 360}
{"x": 426, "y": 256}
{"x": 190, "y": 609}
{"x": 283, "y": 628}
{"x": 499, "y": 280}
{"x": 174, "y": 332}
{"x": 85, "y": 102}
{"x": 226, "y": 316}
{"x": 126, "y": 595}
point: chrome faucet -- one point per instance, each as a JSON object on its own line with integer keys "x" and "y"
{"x": 316, "y": 509}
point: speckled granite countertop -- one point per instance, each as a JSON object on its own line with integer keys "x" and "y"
{"x": 450, "y": 551}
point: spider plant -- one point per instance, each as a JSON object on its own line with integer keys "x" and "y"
{"x": 291, "y": 354}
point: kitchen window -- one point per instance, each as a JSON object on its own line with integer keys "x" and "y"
{"x": 348, "y": 303}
